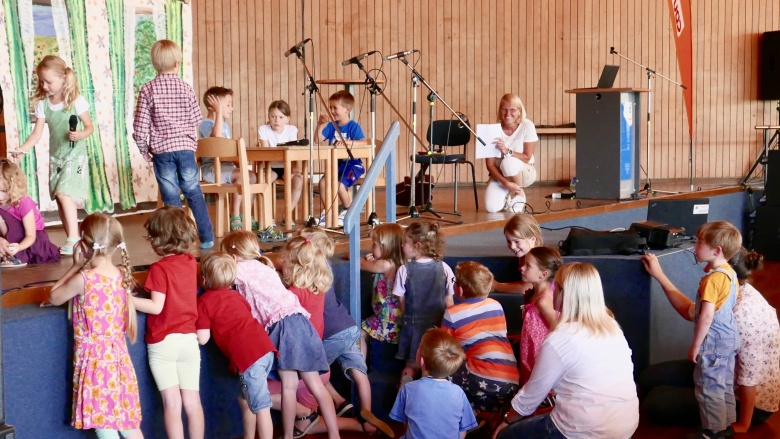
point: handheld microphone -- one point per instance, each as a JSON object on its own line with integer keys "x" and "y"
{"x": 612, "y": 50}
{"x": 296, "y": 48}
{"x": 356, "y": 59}
{"x": 300, "y": 142}
{"x": 73, "y": 122}
{"x": 400, "y": 54}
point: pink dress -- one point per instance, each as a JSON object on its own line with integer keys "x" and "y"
{"x": 105, "y": 388}
{"x": 531, "y": 338}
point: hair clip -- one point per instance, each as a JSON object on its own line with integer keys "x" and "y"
{"x": 307, "y": 239}
{"x": 97, "y": 246}
{"x": 122, "y": 245}
{"x": 233, "y": 246}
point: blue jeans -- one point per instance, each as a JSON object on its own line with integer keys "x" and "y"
{"x": 541, "y": 427}
{"x": 254, "y": 383}
{"x": 713, "y": 377}
{"x": 343, "y": 346}
{"x": 176, "y": 171}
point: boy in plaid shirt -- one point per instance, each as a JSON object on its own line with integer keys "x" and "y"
{"x": 167, "y": 116}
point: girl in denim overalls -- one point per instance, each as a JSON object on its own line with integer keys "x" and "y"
{"x": 424, "y": 287}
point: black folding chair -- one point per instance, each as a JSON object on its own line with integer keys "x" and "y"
{"x": 443, "y": 135}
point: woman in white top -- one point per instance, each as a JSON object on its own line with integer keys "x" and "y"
{"x": 586, "y": 360}
{"x": 510, "y": 174}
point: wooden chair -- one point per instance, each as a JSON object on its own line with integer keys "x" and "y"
{"x": 234, "y": 150}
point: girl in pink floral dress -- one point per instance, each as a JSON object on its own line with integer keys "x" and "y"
{"x": 539, "y": 268}
{"x": 105, "y": 388}
{"x": 385, "y": 258}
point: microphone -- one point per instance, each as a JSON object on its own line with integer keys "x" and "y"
{"x": 356, "y": 59}
{"x": 73, "y": 122}
{"x": 612, "y": 50}
{"x": 296, "y": 48}
{"x": 400, "y": 54}
{"x": 301, "y": 142}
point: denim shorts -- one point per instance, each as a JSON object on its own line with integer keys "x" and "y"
{"x": 254, "y": 383}
{"x": 343, "y": 346}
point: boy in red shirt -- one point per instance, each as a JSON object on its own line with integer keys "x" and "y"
{"x": 226, "y": 315}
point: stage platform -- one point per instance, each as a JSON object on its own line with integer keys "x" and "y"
{"x": 27, "y": 284}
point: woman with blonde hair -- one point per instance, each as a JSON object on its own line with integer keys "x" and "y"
{"x": 515, "y": 169}
{"x": 586, "y": 360}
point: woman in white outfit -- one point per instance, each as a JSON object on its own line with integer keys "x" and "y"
{"x": 515, "y": 170}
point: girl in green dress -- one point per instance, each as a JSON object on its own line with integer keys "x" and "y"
{"x": 56, "y": 101}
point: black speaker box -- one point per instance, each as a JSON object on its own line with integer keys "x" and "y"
{"x": 766, "y": 238}
{"x": 769, "y": 84}
{"x": 772, "y": 191}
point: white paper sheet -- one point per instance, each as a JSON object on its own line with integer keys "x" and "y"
{"x": 488, "y": 133}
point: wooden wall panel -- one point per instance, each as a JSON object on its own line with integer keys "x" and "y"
{"x": 472, "y": 52}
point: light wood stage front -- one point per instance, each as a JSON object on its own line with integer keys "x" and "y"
{"x": 31, "y": 283}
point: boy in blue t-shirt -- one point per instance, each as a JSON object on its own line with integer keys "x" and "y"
{"x": 340, "y": 104}
{"x": 433, "y": 407}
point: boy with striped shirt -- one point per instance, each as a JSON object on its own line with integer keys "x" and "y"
{"x": 489, "y": 376}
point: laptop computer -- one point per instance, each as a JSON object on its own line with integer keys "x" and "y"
{"x": 689, "y": 214}
{"x": 608, "y": 75}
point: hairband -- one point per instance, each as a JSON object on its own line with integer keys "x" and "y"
{"x": 307, "y": 239}
{"x": 122, "y": 245}
{"x": 233, "y": 246}
{"x": 97, "y": 246}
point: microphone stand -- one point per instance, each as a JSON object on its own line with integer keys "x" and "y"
{"x": 313, "y": 89}
{"x": 432, "y": 97}
{"x": 648, "y": 189}
{"x": 413, "y": 213}
{"x": 372, "y": 85}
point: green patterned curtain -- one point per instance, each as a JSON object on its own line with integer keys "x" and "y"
{"x": 20, "y": 91}
{"x": 116, "y": 29}
{"x": 173, "y": 30}
{"x": 99, "y": 198}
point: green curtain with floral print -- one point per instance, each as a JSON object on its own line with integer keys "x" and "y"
{"x": 99, "y": 197}
{"x": 116, "y": 29}
{"x": 21, "y": 92}
{"x": 173, "y": 29}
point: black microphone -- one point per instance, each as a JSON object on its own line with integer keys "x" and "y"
{"x": 301, "y": 142}
{"x": 296, "y": 48}
{"x": 73, "y": 122}
{"x": 400, "y": 54}
{"x": 612, "y": 50}
{"x": 355, "y": 59}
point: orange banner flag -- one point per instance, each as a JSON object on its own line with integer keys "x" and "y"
{"x": 680, "y": 12}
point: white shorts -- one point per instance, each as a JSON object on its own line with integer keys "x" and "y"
{"x": 207, "y": 172}
{"x": 511, "y": 166}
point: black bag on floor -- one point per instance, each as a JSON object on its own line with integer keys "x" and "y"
{"x": 422, "y": 192}
{"x": 586, "y": 242}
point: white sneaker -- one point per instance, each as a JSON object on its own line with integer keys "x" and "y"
{"x": 340, "y": 222}
{"x": 516, "y": 204}
{"x": 322, "y": 218}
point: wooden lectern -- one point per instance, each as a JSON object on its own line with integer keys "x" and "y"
{"x": 608, "y": 135}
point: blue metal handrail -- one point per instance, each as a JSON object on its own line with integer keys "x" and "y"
{"x": 386, "y": 157}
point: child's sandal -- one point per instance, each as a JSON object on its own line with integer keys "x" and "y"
{"x": 313, "y": 419}
{"x": 365, "y": 416}
{"x": 236, "y": 223}
{"x": 67, "y": 249}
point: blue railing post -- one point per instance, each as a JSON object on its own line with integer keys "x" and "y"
{"x": 385, "y": 158}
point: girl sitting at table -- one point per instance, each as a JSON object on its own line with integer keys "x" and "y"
{"x": 278, "y": 130}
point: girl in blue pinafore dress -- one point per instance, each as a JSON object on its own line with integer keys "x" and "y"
{"x": 425, "y": 288}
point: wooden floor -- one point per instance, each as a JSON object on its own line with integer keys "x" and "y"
{"x": 28, "y": 284}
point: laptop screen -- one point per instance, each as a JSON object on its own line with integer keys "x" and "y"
{"x": 608, "y": 75}
{"x": 687, "y": 213}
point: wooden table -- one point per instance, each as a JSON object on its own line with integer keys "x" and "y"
{"x": 363, "y": 152}
{"x": 263, "y": 156}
